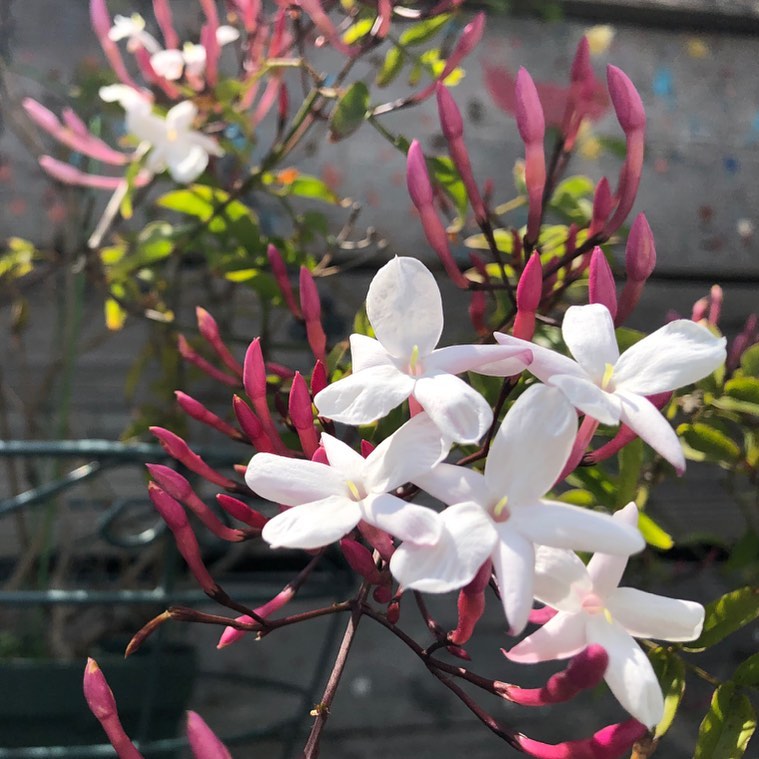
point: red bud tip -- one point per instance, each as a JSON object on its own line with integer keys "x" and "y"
{"x": 417, "y": 178}
{"x": 450, "y": 117}
{"x": 207, "y": 324}
{"x": 310, "y": 303}
{"x": 318, "y": 378}
{"x": 530, "y": 286}
{"x": 640, "y": 253}
{"x": 582, "y": 70}
{"x": 170, "y": 480}
{"x": 360, "y": 560}
{"x": 367, "y": 447}
{"x": 529, "y": 113}
{"x": 254, "y": 371}
{"x": 100, "y": 18}
{"x": 203, "y": 741}
{"x": 471, "y": 36}
{"x": 299, "y": 405}
{"x": 97, "y": 693}
{"x": 626, "y": 100}
{"x": 170, "y": 509}
{"x": 279, "y": 270}
{"x": 198, "y": 411}
{"x": 603, "y": 205}
{"x": 601, "y": 287}
{"x": 241, "y": 511}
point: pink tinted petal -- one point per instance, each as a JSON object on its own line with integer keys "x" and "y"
{"x": 312, "y": 525}
{"x": 629, "y": 675}
{"x": 531, "y": 446}
{"x": 561, "y": 579}
{"x": 454, "y": 484}
{"x": 465, "y": 543}
{"x": 292, "y": 481}
{"x": 496, "y": 360}
{"x": 404, "y": 307}
{"x": 350, "y": 464}
{"x": 365, "y": 396}
{"x": 562, "y": 525}
{"x": 410, "y": 451}
{"x": 588, "y": 398}
{"x": 367, "y": 352}
{"x": 676, "y": 355}
{"x": 514, "y": 565}
{"x": 559, "y": 638}
{"x": 588, "y": 332}
{"x": 606, "y": 571}
{"x": 458, "y": 410}
{"x": 203, "y": 741}
{"x": 641, "y": 416}
{"x": 646, "y": 615}
{"x": 406, "y": 521}
{"x": 545, "y": 363}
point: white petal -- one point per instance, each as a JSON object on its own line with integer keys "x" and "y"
{"x": 646, "y": 615}
{"x": 343, "y": 459}
{"x": 181, "y": 116}
{"x": 606, "y": 570}
{"x": 411, "y": 450}
{"x": 629, "y": 674}
{"x": 561, "y": 579}
{"x": 365, "y": 396}
{"x": 495, "y": 360}
{"x": 559, "y": 638}
{"x": 367, "y": 352}
{"x": 641, "y": 416}
{"x": 545, "y": 363}
{"x": 466, "y": 541}
{"x": 676, "y": 355}
{"x": 407, "y": 521}
{"x": 187, "y": 163}
{"x": 562, "y": 525}
{"x": 312, "y": 525}
{"x": 588, "y": 332}
{"x": 588, "y": 398}
{"x": 460, "y": 412}
{"x": 204, "y": 141}
{"x": 454, "y": 484}
{"x": 168, "y": 64}
{"x": 404, "y": 307}
{"x": 292, "y": 481}
{"x": 531, "y": 446}
{"x": 514, "y": 564}
{"x": 226, "y": 34}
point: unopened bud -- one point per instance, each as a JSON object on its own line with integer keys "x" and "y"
{"x": 318, "y": 378}
{"x": 417, "y": 177}
{"x": 529, "y": 111}
{"x": 241, "y": 511}
{"x": 640, "y": 253}
{"x": 209, "y": 329}
{"x": 626, "y": 100}
{"x": 360, "y": 560}
{"x": 198, "y": 411}
{"x": 203, "y": 741}
{"x": 279, "y": 270}
{"x": 601, "y": 286}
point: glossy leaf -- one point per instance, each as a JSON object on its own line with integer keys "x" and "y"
{"x": 727, "y": 726}
{"x": 711, "y": 442}
{"x": 726, "y": 615}
{"x": 391, "y": 67}
{"x": 747, "y": 672}
{"x": 670, "y": 671}
{"x": 750, "y": 361}
{"x": 744, "y": 389}
{"x": 424, "y": 30}
{"x": 350, "y": 112}
{"x": 653, "y": 534}
{"x": 630, "y": 465}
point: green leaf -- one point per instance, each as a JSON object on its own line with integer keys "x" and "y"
{"x": 747, "y": 672}
{"x": 745, "y": 552}
{"x": 670, "y": 671}
{"x": 504, "y": 241}
{"x": 307, "y": 186}
{"x": 750, "y": 361}
{"x": 350, "y": 112}
{"x": 391, "y": 67}
{"x": 630, "y": 465}
{"x": 706, "y": 440}
{"x": 423, "y": 31}
{"x": 744, "y": 389}
{"x": 725, "y": 615}
{"x": 727, "y": 726}
{"x": 577, "y": 497}
{"x": 360, "y": 29}
{"x": 446, "y": 175}
{"x": 653, "y": 534}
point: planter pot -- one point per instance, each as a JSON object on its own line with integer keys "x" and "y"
{"x": 42, "y": 704}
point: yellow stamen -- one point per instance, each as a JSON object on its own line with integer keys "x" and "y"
{"x": 608, "y": 373}
{"x": 500, "y": 506}
{"x": 354, "y": 490}
{"x": 607, "y": 616}
{"x": 414, "y": 358}
{"x": 172, "y": 135}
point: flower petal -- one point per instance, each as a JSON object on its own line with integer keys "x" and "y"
{"x": 367, "y": 352}
{"x": 559, "y": 638}
{"x": 588, "y": 398}
{"x": 629, "y": 674}
{"x": 350, "y": 464}
{"x": 676, "y": 355}
{"x": 514, "y": 565}
{"x": 312, "y": 525}
{"x": 454, "y": 484}
{"x": 405, "y": 308}
{"x": 407, "y": 521}
{"x": 186, "y": 162}
{"x": 365, "y": 396}
{"x": 647, "y": 615}
{"x": 606, "y": 570}
{"x": 588, "y": 332}
{"x": 531, "y": 446}
{"x": 545, "y": 363}
{"x": 411, "y": 450}
{"x": 168, "y": 64}
{"x": 458, "y": 410}
{"x": 561, "y": 579}
{"x": 292, "y": 481}
{"x": 643, "y": 418}
{"x": 562, "y": 525}
{"x": 180, "y": 117}
{"x": 466, "y": 541}
{"x": 495, "y": 360}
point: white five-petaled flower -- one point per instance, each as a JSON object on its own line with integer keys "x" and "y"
{"x": 405, "y": 310}
{"x": 191, "y": 58}
{"x": 501, "y": 514}
{"x": 132, "y": 28}
{"x": 329, "y": 501}
{"x": 612, "y": 388}
{"x": 174, "y": 144}
{"x": 593, "y": 609}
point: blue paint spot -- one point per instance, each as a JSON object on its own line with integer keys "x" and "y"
{"x": 731, "y": 164}
{"x": 663, "y": 84}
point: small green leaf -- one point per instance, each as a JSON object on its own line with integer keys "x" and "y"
{"x": 725, "y": 615}
{"x": 446, "y": 175}
{"x": 744, "y": 389}
{"x": 653, "y": 534}
{"x": 670, "y": 671}
{"x": 307, "y": 186}
{"x": 423, "y": 31}
{"x": 504, "y": 241}
{"x": 391, "y": 67}
{"x": 727, "y": 726}
{"x": 577, "y": 497}
{"x": 750, "y": 361}
{"x": 747, "y": 672}
{"x": 360, "y": 29}
{"x": 350, "y": 112}
{"x": 630, "y": 465}
{"x": 713, "y": 444}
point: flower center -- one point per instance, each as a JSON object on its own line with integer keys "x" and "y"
{"x": 172, "y": 135}
{"x": 414, "y": 368}
{"x": 593, "y": 604}
{"x": 357, "y": 492}
{"x": 500, "y": 512}
{"x": 606, "y": 381}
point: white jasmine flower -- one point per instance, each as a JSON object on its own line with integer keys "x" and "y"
{"x": 132, "y": 28}
{"x": 593, "y": 609}
{"x": 191, "y": 58}
{"x": 405, "y": 310}
{"x": 502, "y": 514}
{"x": 612, "y": 388}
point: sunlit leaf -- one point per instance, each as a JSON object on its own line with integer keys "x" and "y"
{"x": 391, "y": 67}
{"x": 653, "y": 534}
{"x": 424, "y": 30}
{"x": 670, "y": 671}
{"x": 727, "y": 727}
{"x": 709, "y": 441}
{"x": 350, "y": 112}
{"x": 750, "y": 361}
{"x": 725, "y": 615}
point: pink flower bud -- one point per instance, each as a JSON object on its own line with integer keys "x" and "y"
{"x": 450, "y": 117}
{"x": 203, "y": 741}
{"x": 743, "y": 342}
{"x": 241, "y": 511}
{"x": 251, "y": 426}
{"x": 601, "y": 287}
{"x": 254, "y": 381}
{"x": 541, "y": 616}
{"x": 716, "y": 298}
{"x": 302, "y": 415}
{"x": 310, "y": 305}
{"x": 477, "y": 309}
{"x": 700, "y": 310}
{"x": 360, "y": 560}
{"x": 279, "y": 270}
{"x": 198, "y": 411}
{"x": 378, "y": 539}
{"x": 318, "y": 378}
{"x": 471, "y": 605}
{"x": 529, "y": 111}
{"x": 102, "y": 704}
{"x": 67, "y": 174}
{"x": 383, "y": 594}
{"x": 162, "y": 13}
{"x": 417, "y": 177}
{"x": 640, "y": 253}
{"x": 528, "y": 295}
{"x": 366, "y": 448}
{"x": 213, "y": 51}
{"x": 320, "y": 456}
{"x": 626, "y": 101}
{"x": 101, "y": 24}
{"x": 209, "y": 329}
{"x": 178, "y": 449}
{"x": 190, "y": 355}
{"x": 603, "y": 205}
{"x": 393, "y": 613}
